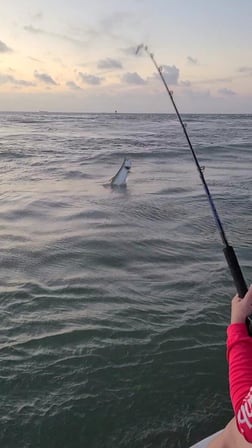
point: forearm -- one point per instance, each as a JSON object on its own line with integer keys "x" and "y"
{"x": 239, "y": 354}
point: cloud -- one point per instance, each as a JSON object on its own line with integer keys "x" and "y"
{"x": 215, "y": 80}
{"x": 72, "y": 85}
{"x": 34, "y": 59}
{"x": 113, "y": 26}
{"x": 4, "y": 48}
{"x": 38, "y": 16}
{"x": 116, "y": 23}
{"x": 33, "y": 30}
{"x": 170, "y": 73}
{"x": 198, "y": 94}
{"x": 116, "y": 26}
{"x": 109, "y": 64}
{"x": 45, "y": 78}
{"x": 131, "y": 51}
{"x": 9, "y": 79}
{"x": 90, "y": 79}
{"x": 226, "y": 92}
{"x": 133, "y": 78}
{"x": 192, "y": 61}
{"x": 246, "y": 70}
{"x": 185, "y": 83}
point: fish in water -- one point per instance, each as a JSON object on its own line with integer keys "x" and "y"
{"x": 120, "y": 177}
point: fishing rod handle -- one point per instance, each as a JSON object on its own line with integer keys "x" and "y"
{"x": 235, "y": 270}
{"x": 237, "y": 275}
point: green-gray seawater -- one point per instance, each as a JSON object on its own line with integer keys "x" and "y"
{"x": 114, "y": 303}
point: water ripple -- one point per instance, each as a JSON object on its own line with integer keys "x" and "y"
{"x": 114, "y": 303}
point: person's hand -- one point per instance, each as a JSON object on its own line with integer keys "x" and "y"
{"x": 241, "y": 308}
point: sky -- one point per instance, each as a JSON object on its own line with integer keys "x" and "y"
{"x": 80, "y": 56}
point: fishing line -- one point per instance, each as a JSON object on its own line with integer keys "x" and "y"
{"x": 228, "y": 250}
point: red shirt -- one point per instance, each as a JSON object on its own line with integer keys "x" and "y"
{"x": 239, "y": 355}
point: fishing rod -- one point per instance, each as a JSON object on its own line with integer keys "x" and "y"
{"x": 228, "y": 250}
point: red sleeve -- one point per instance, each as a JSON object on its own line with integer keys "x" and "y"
{"x": 239, "y": 355}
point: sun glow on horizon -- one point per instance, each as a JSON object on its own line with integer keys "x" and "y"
{"x": 74, "y": 56}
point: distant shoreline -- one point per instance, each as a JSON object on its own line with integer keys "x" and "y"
{"x": 41, "y": 112}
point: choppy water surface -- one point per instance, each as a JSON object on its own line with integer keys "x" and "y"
{"x": 114, "y": 303}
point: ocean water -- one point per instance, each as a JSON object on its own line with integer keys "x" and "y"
{"x": 114, "y": 303}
